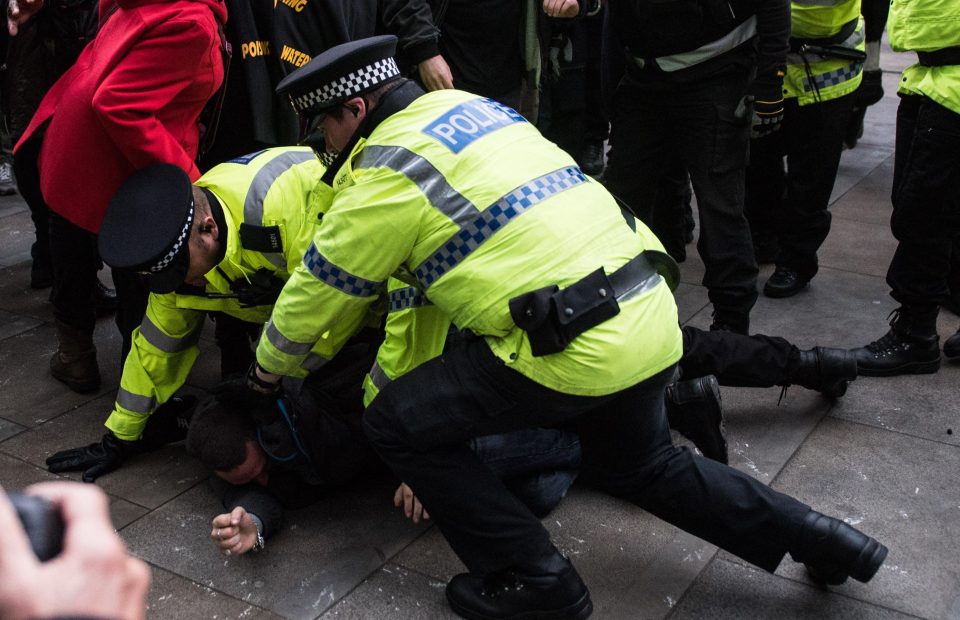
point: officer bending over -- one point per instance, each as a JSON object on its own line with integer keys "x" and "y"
{"x": 502, "y": 231}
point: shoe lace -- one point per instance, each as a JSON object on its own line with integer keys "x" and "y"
{"x": 6, "y": 173}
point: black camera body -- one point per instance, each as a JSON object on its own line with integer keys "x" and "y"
{"x": 42, "y": 522}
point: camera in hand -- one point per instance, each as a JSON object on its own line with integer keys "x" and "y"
{"x": 42, "y": 522}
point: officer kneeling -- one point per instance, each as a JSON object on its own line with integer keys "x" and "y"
{"x": 501, "y": 230}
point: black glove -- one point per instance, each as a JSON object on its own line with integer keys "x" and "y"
{"x": 870, "y": 90}
{"x": 766, "y": 102}
{"x": 240, "y": 393}
{"x": 95, "y": 459}
{"x": 169, "y": 423}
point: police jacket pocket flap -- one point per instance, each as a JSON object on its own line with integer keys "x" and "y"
{"x": 530, "y": 310}
{"x": 586, "y": 303}
{"x": 264, "y": 239}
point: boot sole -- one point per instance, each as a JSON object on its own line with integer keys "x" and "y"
{"x": 869, "y": 561}
{"x": 777, "y": 293}
{"x": 577, "y": 611}
{"x": 913, "y": 368}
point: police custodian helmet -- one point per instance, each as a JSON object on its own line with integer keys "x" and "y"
{"x": 147, "y": 226}
{"x": 341, "y": 72}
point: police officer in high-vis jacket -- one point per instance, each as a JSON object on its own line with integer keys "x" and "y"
{"x": 788, "y": 205}
{"x": 926, "y": 209}
{"x": 237, "y": 235}
{"x": 461, "y": 197}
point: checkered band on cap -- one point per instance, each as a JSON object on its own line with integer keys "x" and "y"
{"x": 170, "y": 255}
{"x": 342, "y": 88}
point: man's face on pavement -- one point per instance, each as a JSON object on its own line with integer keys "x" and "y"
{"x": 252, "y": 469}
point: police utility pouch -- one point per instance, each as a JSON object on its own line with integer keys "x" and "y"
{"x": 552, "y": 317}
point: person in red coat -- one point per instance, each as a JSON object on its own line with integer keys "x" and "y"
{"x": 133, "y": 98}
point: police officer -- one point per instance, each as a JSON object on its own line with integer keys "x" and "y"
{"x": 499, "y": 228}
{"x": 926, "y": 211}
{"x": 234, "y": 239}
{"x": 789, "y": 206}
{"x": 686, "y": 101}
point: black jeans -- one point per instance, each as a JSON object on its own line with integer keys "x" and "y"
{"x": 738, "y": 360}
{"x": 419, "y": 423}
{"x": 790, "y": 204}
{"x": 28, "y": 182}
{"x": 926, "y": 206}
{"x": 658, "y": 126}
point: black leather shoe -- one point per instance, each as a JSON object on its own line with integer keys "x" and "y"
{"x": 695, "y": 411}
{"x": 730, "y": 322}
{"x": 896, "y": 354}
{"x": 510, "y": 594}
{"x": 105, "y": 298}
{"x": 825, "y": 370}
{"x": 951, "y": 348}
{"x": 591, "y": 158}
{"x": 834, "y": 551}
{"x": 784, "y": 282}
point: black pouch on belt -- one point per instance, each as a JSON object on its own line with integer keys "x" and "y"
{"x": 552, "y": 317}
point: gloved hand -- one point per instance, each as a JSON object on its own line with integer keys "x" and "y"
{"x": 245, "y": 394}
{"x": 766, "y": 101}
{"x": 95, "y": 459}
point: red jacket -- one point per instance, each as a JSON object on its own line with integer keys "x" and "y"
{"x": 133, "y": 98}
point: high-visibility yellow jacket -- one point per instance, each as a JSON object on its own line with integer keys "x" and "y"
{"x": 811, "y": 77}
{"x": 927, "y": 26}
{"x": 463, "y": 197}
{"x": 276, "y": 187}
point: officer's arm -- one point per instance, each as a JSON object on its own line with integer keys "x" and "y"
{"x": 773, "y": 34}
{"x": 368, "y": 232}
{"x": 162, "y": 354}
{"x": 412, "y": 22}
{"x": 156, "y": 70}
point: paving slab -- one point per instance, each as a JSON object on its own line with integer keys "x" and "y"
{"x": 31, "y": 395}
{"x": 13, "y": 324}
{"x": 18, "y": 298}
{"x": 8, "y": 429}
{"x": 397, "y": 593}
{"x": 321, "y": 554}
{"x": 900, "y": 489}
{"x": 729, "y": 591}
{"x": 858, "y": 163}
{"x": 15, "y": 475}
{"x": 147, "y": 480}
{"x": 690, "y": 300}
{"x": 10, "y": 205}
{"x": 172, "y": 596}
{"x": 858, "y": 246}
{"x": 869, "y": 200}
{"x": 16, "y": 237}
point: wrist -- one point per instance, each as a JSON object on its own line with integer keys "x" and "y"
{"x": 261, "y": 380}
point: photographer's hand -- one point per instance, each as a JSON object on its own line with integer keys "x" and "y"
{"x": 93, "y": 577}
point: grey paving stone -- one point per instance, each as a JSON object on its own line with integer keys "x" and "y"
{"x": 869, "y": 200}
{"x": 397, "y": 593}
{"x": 321, "y": 554}
{"x": 15, "y": 475}
{"x": 730, "y": 591}
{"x": 16, "y": 236}
{"x": 31, "y": 395}
{"x": 173, "y": 597}
{"x": 147, "y": 480}
{"x": 690, "y": 300}
{"x": 844, "y": 247}
{"x": 901, "y": 490}
{"x": 13, "y": 324}
{"x": 8, "y": 429}
{"x": 858, "y": 163}
{"x": 18, "y": 298}
{"x": 10, "y": 205}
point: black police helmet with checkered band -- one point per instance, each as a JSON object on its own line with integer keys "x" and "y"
{"x": 147, "y": 226}
{"x": 340, "y": 73}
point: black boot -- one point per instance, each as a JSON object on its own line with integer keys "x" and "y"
{"x": 735, "y": 322}
{"x": 695, "y": 411}
{"x": 951, "y": 348}
{"x": 825, "y": 370}
{"x": 910, "y": 347}
{"x": 785, "y": 282}
{"x": 834, "y": 551}
{"x": 512, "y": 594}
{"x": 105, "y": 298}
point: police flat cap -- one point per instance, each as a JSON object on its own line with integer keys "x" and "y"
{"x": 340, "y": 73}
{"x": 147, "y": 226}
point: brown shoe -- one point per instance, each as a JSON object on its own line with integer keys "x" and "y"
{"x": 75, "y": 362}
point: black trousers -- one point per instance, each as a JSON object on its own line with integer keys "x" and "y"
{"x": 926, "y": 205}
{"x": 419, "y": 423}
{"x": 737, "y": 360}
{"x": 790, "y": 204}
{"x": 658, "y": 125}
{"x": 28, "y": 183}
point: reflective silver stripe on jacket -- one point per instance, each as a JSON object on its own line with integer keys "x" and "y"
{"x": 379, "y": 378}
{"x": 425, "y": 176}
{"x": 338, "y": 278}
{"x": 257, "y": 192}
{"x": 314, "y": 362}
{"x": 819, "y": 2}
{"x": 472, "y": 235}
{"x": 284, "y": 344}
{"x": 407, "y": 297}
{"x": 729, "y": 41}
{"x": 168, "y": 344}
{"x": 135, "y": 402}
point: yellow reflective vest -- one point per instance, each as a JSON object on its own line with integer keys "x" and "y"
{"x": 811, "y": 77}
{"x": 277, "y": 187}
{"x": 927, "y": 26}
{"x": 463, "y": 197}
